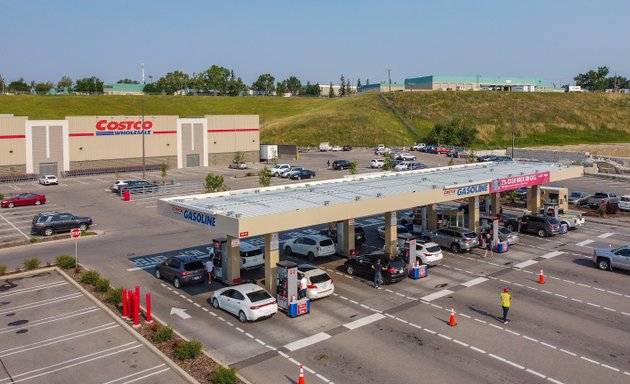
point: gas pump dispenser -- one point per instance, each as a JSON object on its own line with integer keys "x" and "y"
{"x": 551, "y": 209}
{"x": 492, "y": 222}
{"x": 287, "y": 290}
{"x": 415, "y": 268}
{"x": 220, "y": 259}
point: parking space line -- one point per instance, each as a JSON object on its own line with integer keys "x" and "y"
{"x": 552, "y": 254}
{"x": 585, "y": 242}
{"x": 364, "y": 321}
{"x": 436, "y": 295}
{"x": 14, "y": 227}
{"x": 473, "y": 282}
{"x": 606, "y": 235}
{"x": 525, "y": 264}
{"x": 307, "y": 341}
{"x": 139, "y": 373}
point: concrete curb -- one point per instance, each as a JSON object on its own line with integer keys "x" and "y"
{"x": 126, "y": 326}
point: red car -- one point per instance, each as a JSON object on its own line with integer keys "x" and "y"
{"x": 441, "y": 150}
{"x": 24, "y": 199}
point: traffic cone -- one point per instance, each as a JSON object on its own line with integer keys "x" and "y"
{"x": 541, "y": 277}
{"x": 451, "y": 320}
{"x": 301, "y": 379}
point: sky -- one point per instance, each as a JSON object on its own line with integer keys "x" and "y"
{"x": 316, "y": 41}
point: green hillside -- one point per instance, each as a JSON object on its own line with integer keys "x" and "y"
{"x": 365, "y": 120}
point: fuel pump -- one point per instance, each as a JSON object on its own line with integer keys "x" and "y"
{"x": 492, "y": 222}
{"x": 408, "y": 245}
{"x": 220, "y": 259}
{"x": 287, "y": 290}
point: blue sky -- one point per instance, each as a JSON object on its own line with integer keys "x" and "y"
{"x": 318, "y": 41}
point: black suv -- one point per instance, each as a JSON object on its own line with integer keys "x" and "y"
{"x": 138, "y": 186}
{"x": 540, "y": 225}
{"x": 48, "y": 224}
{"x": 359, "y": 235}
{"x": 340, "y": 164}
{"x": 182, "y": 270}
{"x": 394, "y": 269}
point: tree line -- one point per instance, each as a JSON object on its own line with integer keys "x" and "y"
{"x": 216, "y": 81}
{"x": 599, "y": 81}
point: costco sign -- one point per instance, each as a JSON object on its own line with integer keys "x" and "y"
{"x": 129, "y": 127}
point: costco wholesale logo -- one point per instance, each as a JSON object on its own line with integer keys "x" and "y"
{"x": 111, "y": 128}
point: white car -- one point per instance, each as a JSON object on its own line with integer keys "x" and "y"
{"x": 319, "y": 283}
{"x": 405, "y": 156}
{"x": 311, "y": 246}
{"x": 118, "y": 184}
{"x": 401, "y": 229}
{"x": 248, "y": 302}
{"x": 287, "y": 173}
{"x": 277, "y": 169}
{"x": 377, "y": 163}
{"x": 418, "y": 147}
{"x": 336, "y": 148}
{"x": 624, "y": 203}
{"x": 428, "y": 252}
{"x": 48, "y": 180}
{"x": 403, "y": 166}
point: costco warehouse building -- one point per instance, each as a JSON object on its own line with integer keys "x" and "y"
{"x": 80, "y": 142}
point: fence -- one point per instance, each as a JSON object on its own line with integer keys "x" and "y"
{"x": 109, "y": 170}
{"x": 16, "y": 178}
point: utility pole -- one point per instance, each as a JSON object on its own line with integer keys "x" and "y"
{"x": 513, "y": 124}
{"x": 389, "y": 75}
{"x": 144, "y": 169}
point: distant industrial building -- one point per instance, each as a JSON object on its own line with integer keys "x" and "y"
{"x": 324, "y": 89}
{"x": 382, "y": 87}
{"x": 123, "y": 89}
{"x": 478, "y": 83}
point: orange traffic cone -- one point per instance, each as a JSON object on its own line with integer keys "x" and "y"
{"x": 452, "y": 321}
{"x": 301, "y": 379}
{"x": 541, "y": 277}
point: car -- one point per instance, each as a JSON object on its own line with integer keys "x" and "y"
{"x": 26, "y": 198}
{"x": 521, "y": 192}
{"x": 336, "y": 148}
{"x": 182, "y": 270}
{"x": 377, "y": 163}
{"x": 402, "y": 166}
{"x": 252, "y": 256}
{"x": 48, "y": 180}
{"x": 359, "y": 235}
{"x": 277, "y": 169}
{"x": 400, "y": 229}
{"x": 138, "y": 186}
{"x": 429, "y": 149}
{"x": 454, "y": 238}
{"x": 418, "y": 147}
{"x": 394, "y": 270}
{"x": 248, "y": 302}
{"x": 461, "y": 154}
{"x": 302, "y": 174}
{"x": 452, "y": 152}
{"x": 238, "y": 165}
{"x": 318, "y": 283}
{"x": 624, "y": 203}
{"x": 347, "y": 147}
{"x": 340, "y": 164}
{"x": 405, "y": 156}
{"x": 441, "y": 150}
{"x": 543, "y": 226}
{"x": 311, "y": 246}
{"x": 49, "y": 223}
{"x": 118, "y": 184}
{"x": 287, "y": 172}
{"x": 608, "y": 258}
{"x": 415, "y": 166}
{"x": 505, "y": 234}
{"x": 602, "y": 198}
{"x": 578, "y": 198}
{"x": 428, "y": 252}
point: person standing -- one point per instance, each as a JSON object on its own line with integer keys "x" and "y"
{"x": 209, "y": 269}
{"x": 378, "y": 273}
{"x": 303, "y": 286}
{"x": 328, "y": 163}
{"x": 488, "y": 244}
{"x": 506, "y": 300}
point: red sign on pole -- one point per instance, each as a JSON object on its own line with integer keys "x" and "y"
{"x": 75, "y": 233}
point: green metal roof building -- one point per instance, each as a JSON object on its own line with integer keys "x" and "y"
{"x": 382, "y": 87}
{"x": 471, "y": 83}
{"x": 123, "y": 89}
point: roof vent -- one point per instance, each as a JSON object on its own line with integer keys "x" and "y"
{"x": 256, "y": 190}
{"x": 522, "y": 173}
{"x": 434, "y": 186}
{"x": 311, "y": 189}
{"x": 379, "y": 194}
{"x": 238, "y": 215}
{"x": 326, "y": 202}
{"x": 357, "y": 198}
{"x": 287, "y": 187}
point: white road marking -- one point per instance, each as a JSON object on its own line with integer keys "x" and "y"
{"x": 554, "y": 380}
{"x": 530, "y": 338}
{"x": 589, "y": 360}
{"x": 444, "y": 336}
{"x": 567, "y": 352}
{"x": 481, "y": 321}
{"x": 606, "y": 235}
{"x": 364, "y": 321}
{"x": 473, "y": 282}
{"x": 535, "y": 373}
{"x": 305, "y": 342}
{"x": 16, "y": 228}
{"x": 525, "y": 264}
{"x": 548, "y": 345}
{"x": 552, "y": 254}
{"x": 609, "y": 367}
{"x": 436, "y": 295}
{"x": 402, "y": 320}
{"x": 460, "y": 342}
{"x": 477, "y": 349}
{"x": 512, "y": 332}
{"x": 430, "y": 331}
{"x": 585, "y": 242}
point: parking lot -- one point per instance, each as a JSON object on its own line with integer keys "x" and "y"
{"x": 361, "y": 333}
{"x": 53, "y": 333}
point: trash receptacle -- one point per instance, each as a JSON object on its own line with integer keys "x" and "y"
{"x": 126, "y": 195}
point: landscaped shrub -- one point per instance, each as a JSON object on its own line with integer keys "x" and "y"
{"x": 3, "y": 269}
{"x": 65, "y": 262}
{"x": 31, "y": 264}
{"x": 102, "y": 285}
{"x": 90, "y": 277}
{"x": 223, "y": 375}
{"x": 163, "y": 333}
{"x": 188, "y": 349}
{"x": 114, "y": 296}
{"x": 33, "y": 240}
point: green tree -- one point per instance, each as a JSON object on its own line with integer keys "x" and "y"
{"x": 312, "y": 90}
{"x": 216, "y": 80}
{"x": 593, "y": 80}
{"x": 89, "y": 85}
{"x": 215, "y": 183}
{"x": 265, "y": 83}
{"x": 239, "y": 157}
{"x": 342, "y": 87}
{"x": 43, "y": 88}
{"x": 389, "y": 162}
{"x": 163, "y": 170}
{"x": 456, "y": 132}
{"x": 359, "y": 85}
{"x": 264, "y": 177}
{"x": 618, "y": 82}
{"x": 235, "y": 85}
{"x": 18, "y": 86}
{"x": 281, "y": 88}
{"x": 331, "y": 91}
{"x": 294, "y": 85}
{"x": 348, "y": 88}
{"x": 65, "y": 82}
{"x": 353, "y": 168}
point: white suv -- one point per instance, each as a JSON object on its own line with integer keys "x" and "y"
{"x": 48, "y": 179}
{"x": 377, "y": 163}
{"x": 277, "y": 169}
{"x": 311, "y": 246}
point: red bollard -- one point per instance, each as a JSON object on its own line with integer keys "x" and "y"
{"x": 124, "y": 303}
{"x": 148, "y": 316}
{"x": 136, "y": 311}
{"x": 129, "y": 304}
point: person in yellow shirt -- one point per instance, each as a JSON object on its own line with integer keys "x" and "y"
{"x": 506, "y": 300}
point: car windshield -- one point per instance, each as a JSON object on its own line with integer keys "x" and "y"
{"x": 258, "y": 296}
{"x": 470, "y": 235}
{"x": 193, "y": 266}
{"x": 316, "y": 279}
{"x": 326, "y": 242}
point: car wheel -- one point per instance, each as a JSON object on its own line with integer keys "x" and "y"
{"x": 455, "y": 248}
{"x": 311, "y": 257}
{"x": 176, "y": 283}
{"x": 37, "y": 202}
{"x": 350, "y": 270}
{"x": 157, "y": 273}
{"x": 48, "y": 231}
{"x": 299, "y": 178}
{"x": 510, "y": 227}
{"x": 287, "y": 251}
{"x": 603, "y": 264}
{"x": 215, "y": 303}
{"x": 82, "y": 227}
{"x": 11, "y": 205}
{"x": 542, "y": 233}
{"x": 241, "y": 317}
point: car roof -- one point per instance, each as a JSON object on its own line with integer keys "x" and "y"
{"x": 246, "y": 288}
{"x": 245, "y": 246}
{"x": 317, "y": 237}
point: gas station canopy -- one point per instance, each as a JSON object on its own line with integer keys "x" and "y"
{"x": 258, "y": 211}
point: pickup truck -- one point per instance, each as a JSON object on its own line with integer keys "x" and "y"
{"x": 602, "y": 198}
{"x": 608, "y": 258}
{"x": 573, "y": 220}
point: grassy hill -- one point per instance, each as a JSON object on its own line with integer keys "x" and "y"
{"x": 363, "y": 120}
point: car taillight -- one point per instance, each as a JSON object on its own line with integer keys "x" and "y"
{"x": 392, "y": 270}
{"x": 428, "y": 254}
{"x": 468, "y": 240}
{"x": 185, "y": 273}
{"x": 311, "y": 286}
{"x": 254, "y": 307}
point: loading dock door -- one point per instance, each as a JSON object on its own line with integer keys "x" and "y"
{"x": 48, "y": 169}
{"x": 192, "y": 160}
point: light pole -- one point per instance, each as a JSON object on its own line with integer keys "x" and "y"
{"x": 143, "y": 151}
{"x": 513, "y": 125}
